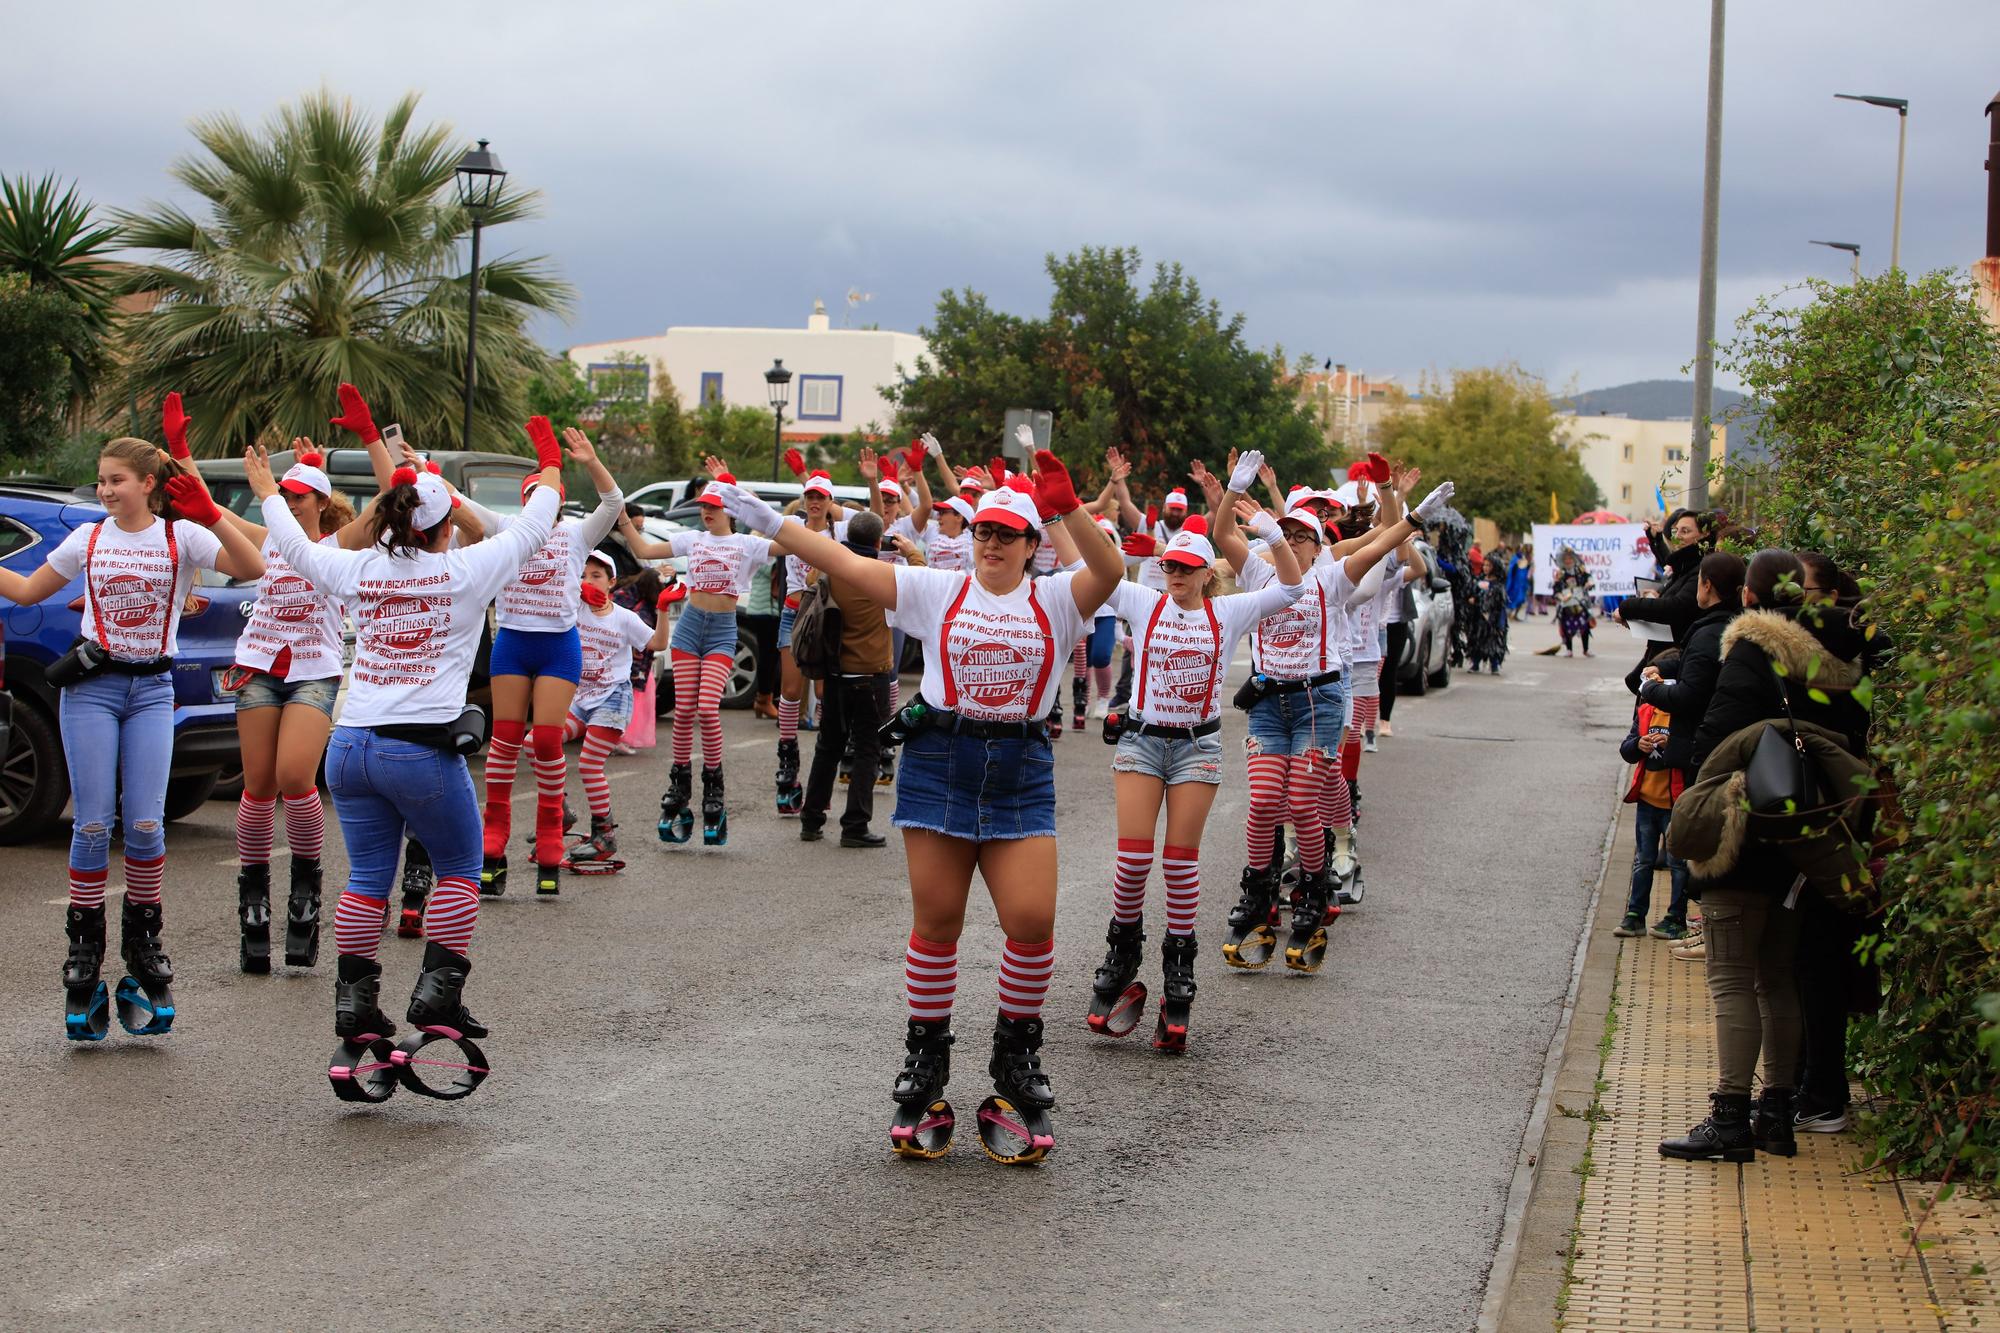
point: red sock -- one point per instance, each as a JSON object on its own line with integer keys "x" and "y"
{"x": 143, "y": 879}
{"x": 1025, "y": 970}
{"x": 597, "y": 743}
{"x": 1128, "y": 880}
{"x": 1350, "y": 756}
{"x": 451, "y": 913}
{"x": 1181, "y": 867}
{"x": 305, "y": 825}
{"x": 1267, "y": 806}
{"x": 708, "y": 709}
{"x": 687, "y": 690}
{"x": 930, "y": 977}
{"x": 357, "y": 924}
{"x": 502, "y": 757}
{"x": 256, "y": 829}
{"x": 551, "y": 775}
{"x": 86, "y": 887}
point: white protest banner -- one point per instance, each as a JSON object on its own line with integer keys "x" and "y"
{"x": 1616, "y": 554}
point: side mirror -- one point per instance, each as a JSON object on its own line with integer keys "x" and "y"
{"x": 1440, "y": 584}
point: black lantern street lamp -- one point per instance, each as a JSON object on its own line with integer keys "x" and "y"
{"x": 480, "y": 177}
{"x": 779, "y": 381}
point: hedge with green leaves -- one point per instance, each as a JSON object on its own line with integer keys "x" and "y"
{"x": 1886, "y": 396}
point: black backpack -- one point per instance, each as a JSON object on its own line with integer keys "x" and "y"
{"x": 816, "y": 630}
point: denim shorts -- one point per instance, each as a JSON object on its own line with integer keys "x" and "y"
{"x": 527, "y": 652}
{"x": 1171, "y": 761}
{"x": 700, "y": 633}
{"x": 975, "y": 789}
{"x": 785, "y": 619}
{"x": 264, "y": 690}
{"x": 614, "y": 710}
{"x": 1291, "y": 724}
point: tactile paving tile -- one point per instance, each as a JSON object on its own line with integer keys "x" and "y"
{"x": 1965, "y": 1235}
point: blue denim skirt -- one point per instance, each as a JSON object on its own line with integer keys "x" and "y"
{"x": 979, "y": 790}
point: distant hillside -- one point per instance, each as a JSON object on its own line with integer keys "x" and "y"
{"x": 1668, "y": 400}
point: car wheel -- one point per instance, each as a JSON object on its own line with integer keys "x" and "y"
{"x": 187, "y": 795}
{"x": 34, "y": 781}
{"x": 1441, "y": 678}
{"x": 1418, "y": 681}
{"x": 742, "y": 687}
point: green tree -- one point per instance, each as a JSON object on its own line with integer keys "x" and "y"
{"x": 327, "y": 248}
{"x": 559, "y": 392}
{"x": 668, "y": 425}
{"x": 41, "y": 332}
{"x": 743, "y": 435}
{"x": 1494, "y": 432}
{"x": 52, "y": 241}
{"x": 1158, "y": 371}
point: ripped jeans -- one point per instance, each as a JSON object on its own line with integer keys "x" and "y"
{"x": 117, "y": 726}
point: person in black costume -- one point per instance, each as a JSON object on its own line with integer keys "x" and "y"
{"x": 1486, "y": 630}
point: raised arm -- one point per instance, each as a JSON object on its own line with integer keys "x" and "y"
{"x": 874, "y": 577}
{"x": 1381, "y": 541}
{"x": 331, "y": 569}
{"x": 598, "y": 523}
{"x": 1103, "y": 566}
{"x": 240, "y": 558}
{"x": 1130, "y": 516}
{"x": 360, "y": 422}
{"x": 871, "y": 472}
{"x": 920, "y": 513}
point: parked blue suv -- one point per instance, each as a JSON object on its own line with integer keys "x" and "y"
{"x": 34, "y": 781}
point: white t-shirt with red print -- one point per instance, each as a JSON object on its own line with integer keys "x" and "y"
{"x": 947, "y": 553}
{"x": 1307, "y": 637}
{"x": 1150, "y": 573}
{"x": 132, "y": 589}
{"x": 543, "y": 599}
{"x": 1364, "y": 622}
{"x": 291, "y": 616}
{"x": 1183, "y": 655}
{"x": 417, "y": 615}
{"x": 608, "y": 641}
{"x": 998, "y": 661}
{"x": 721, "y": 564}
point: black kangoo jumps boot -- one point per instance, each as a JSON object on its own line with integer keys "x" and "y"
{"x": 145, "y": 998}
{"x": 1723, "y": 1137}
{"x": 923, "y": 1123}
{"x": 302, "y": 914}
{"x": 714, "y": 814}
{"x": 1014, "y": 1125}
{"x": 1117, "y": 1000}
{"x": 86, "y": 1003}
{"x": 1177, "y": 955}
{"x": 253, "y": 914}
{"x": 1771, "y": 1128}
{"x": 357, "y": 1000}
{"x": 439, "y": 999}
{"x": 1251, "y": 941}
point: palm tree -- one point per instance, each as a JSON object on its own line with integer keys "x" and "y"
{"x": 327, "y": 249}
{"x": 51, "y": 240}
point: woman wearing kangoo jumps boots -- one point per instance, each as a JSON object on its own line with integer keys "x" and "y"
{"x": 117, "y": 707}
{"x": 977, "y": 789}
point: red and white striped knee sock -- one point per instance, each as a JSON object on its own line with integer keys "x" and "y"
{"x": 1303, "y": 788}
{"x": 597, "y": 743}
{"x": 503, "y": 756}
{"x": 573, "y": 726}
{"x": 1181, "y": 868}
{"x": 895, "y": 694}
{"x": 551, "y": 776}
{"x": 930, "y": 977}
{"x": 1079, "y": 660}
{"x": 788, "y": 719}
{"x": 1267, "y": 806}
{"x": 1367, "y": 711}
{"x": 708, "y": 709}
{"x": 1128, "y": 879}
{"x": 1336, "y": 803}
{"x": 144, "y": 878}
{"x": 305, "y": 825}
{"x": 1105, "y": 681}
{"x": 687, "y": 689}
{"x": 86, "y": 887}
{"x": 451, "y": 913}
{"x": 256, "y": 829}
{"x": 1025, "y": 970}
{"x": 357, "y": 924}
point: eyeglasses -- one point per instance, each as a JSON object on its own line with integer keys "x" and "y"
{"x": 997, "y": 532}
{"x": 1173, "y": 567}
{"x": 1300, "y": 537}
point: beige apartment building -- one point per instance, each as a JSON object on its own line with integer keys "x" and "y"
{"x": 1640, "y": 466}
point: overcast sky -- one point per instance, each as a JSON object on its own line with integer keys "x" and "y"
{"x": 1399, "y": 187}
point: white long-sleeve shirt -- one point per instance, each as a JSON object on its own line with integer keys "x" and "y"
{"x": 543, "y": 599}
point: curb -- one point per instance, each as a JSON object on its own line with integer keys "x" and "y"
{"x": 1512, "y": 1291}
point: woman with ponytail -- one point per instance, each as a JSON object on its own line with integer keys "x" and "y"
{"x": 117, "y": 709}
{"x": 395, "y": 761}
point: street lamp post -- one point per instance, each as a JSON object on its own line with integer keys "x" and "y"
{"x": 1704, "y": 319}
{"x": 1901, "y": 106}
{"x": 480, "y": 177}
{"x": 779, "y": 381}
{"x": 1851, "y": 249}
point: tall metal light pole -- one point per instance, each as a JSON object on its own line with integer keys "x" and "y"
{"x": 779, "y": 381}
{"x": 480, "y": 177}
{"x": 1851, "y": 249}
{"x": 1901, "y": 106}
{"x": 1711, "y": 201}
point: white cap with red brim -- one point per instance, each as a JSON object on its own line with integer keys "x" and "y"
{"x": 301, "y": 478}
{"x": 819, "y": 484}
{"x": 1007, "y": 506}
{"x": 960, "y": 506}
{"x": 1307, "y": 520}
{"x": 599, "y": 557}
{"x": 1176, "y": 499}
{"x": 1191, "y": 549}
{"x": 1354, "y": 493}
{"x": 890, "y": 488}
{"x": 972, "y": 483}
{"x": 711, "y": 496}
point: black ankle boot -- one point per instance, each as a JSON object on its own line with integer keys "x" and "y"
{"x": 1723, "y": 1137}
{"x": 253, "y": 913}
{"x": 1771, "y": 1123}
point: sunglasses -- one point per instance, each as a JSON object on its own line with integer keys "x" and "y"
{"x": 996, "y": 532}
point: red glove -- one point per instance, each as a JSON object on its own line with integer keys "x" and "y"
{"x": 888, "y": 467}
{"x": 1152, "y": 516}
{"x": 548, "y": 453}
{"x": 1053, "y": 490}
{"x": 354, "y": 415}
{"x": 192, "y": 500}
{"x": 594, "y": 595}
{"x": 998, "y": 467}
{"x": 670, "y": 596}
{"x": 1141, "y": 544}
{"x": 1378, "y": 469}
{"x": 796, "y": 461}
{"x": 174, "y": 425}
{"x": 913, "y": 457}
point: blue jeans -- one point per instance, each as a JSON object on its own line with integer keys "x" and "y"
{"x": 379, "y": 786}
{"x": 1649, "y": 826}
{"x": 115, "y": 727}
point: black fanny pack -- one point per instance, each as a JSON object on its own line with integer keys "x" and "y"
{"x": 1260, "y": 686}
{"x": 464, "y": 736}
{"x": 87, "y": 658}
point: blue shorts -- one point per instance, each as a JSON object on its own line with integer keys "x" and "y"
{"x": 978, "y": 790}
{"x": 264, "y": 690}
{"x": 614, "y": 710}
{"x": 1198, "y": 759}
{"x": 527, "y": 652}
{"x": 785, "y": 619}
{"x": 1103, "y": 637}
{"x": 1291, "y": 724}
{"x": 705, "y": 633}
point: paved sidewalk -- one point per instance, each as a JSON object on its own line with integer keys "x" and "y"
{"x": 1800, "y": 1243}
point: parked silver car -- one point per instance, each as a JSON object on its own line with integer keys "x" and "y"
{"x": 1426, "y": 657}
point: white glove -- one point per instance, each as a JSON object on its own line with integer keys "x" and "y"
{"x": 931, "y": 444}
{"x": 1244, "y": 475}
{"x": 746, "y": 508}
{"x": 1431, "y": 507}
{"x": 1026, "y": 439}
{"x": 1266, "y": 527}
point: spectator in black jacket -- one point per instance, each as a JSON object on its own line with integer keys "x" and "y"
{"x": 1688, "y": 537}
{"x": 1719, "y": 597}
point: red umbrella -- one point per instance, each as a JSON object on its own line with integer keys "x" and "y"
{"x": 1600, "y": 516}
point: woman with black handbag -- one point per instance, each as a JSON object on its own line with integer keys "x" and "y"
{"x": 1781, "y": 659}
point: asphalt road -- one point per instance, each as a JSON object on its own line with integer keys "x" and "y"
{"x": 688, "y": 1123}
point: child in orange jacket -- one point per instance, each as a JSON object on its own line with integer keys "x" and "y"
{"x": 1655, "y": 786}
